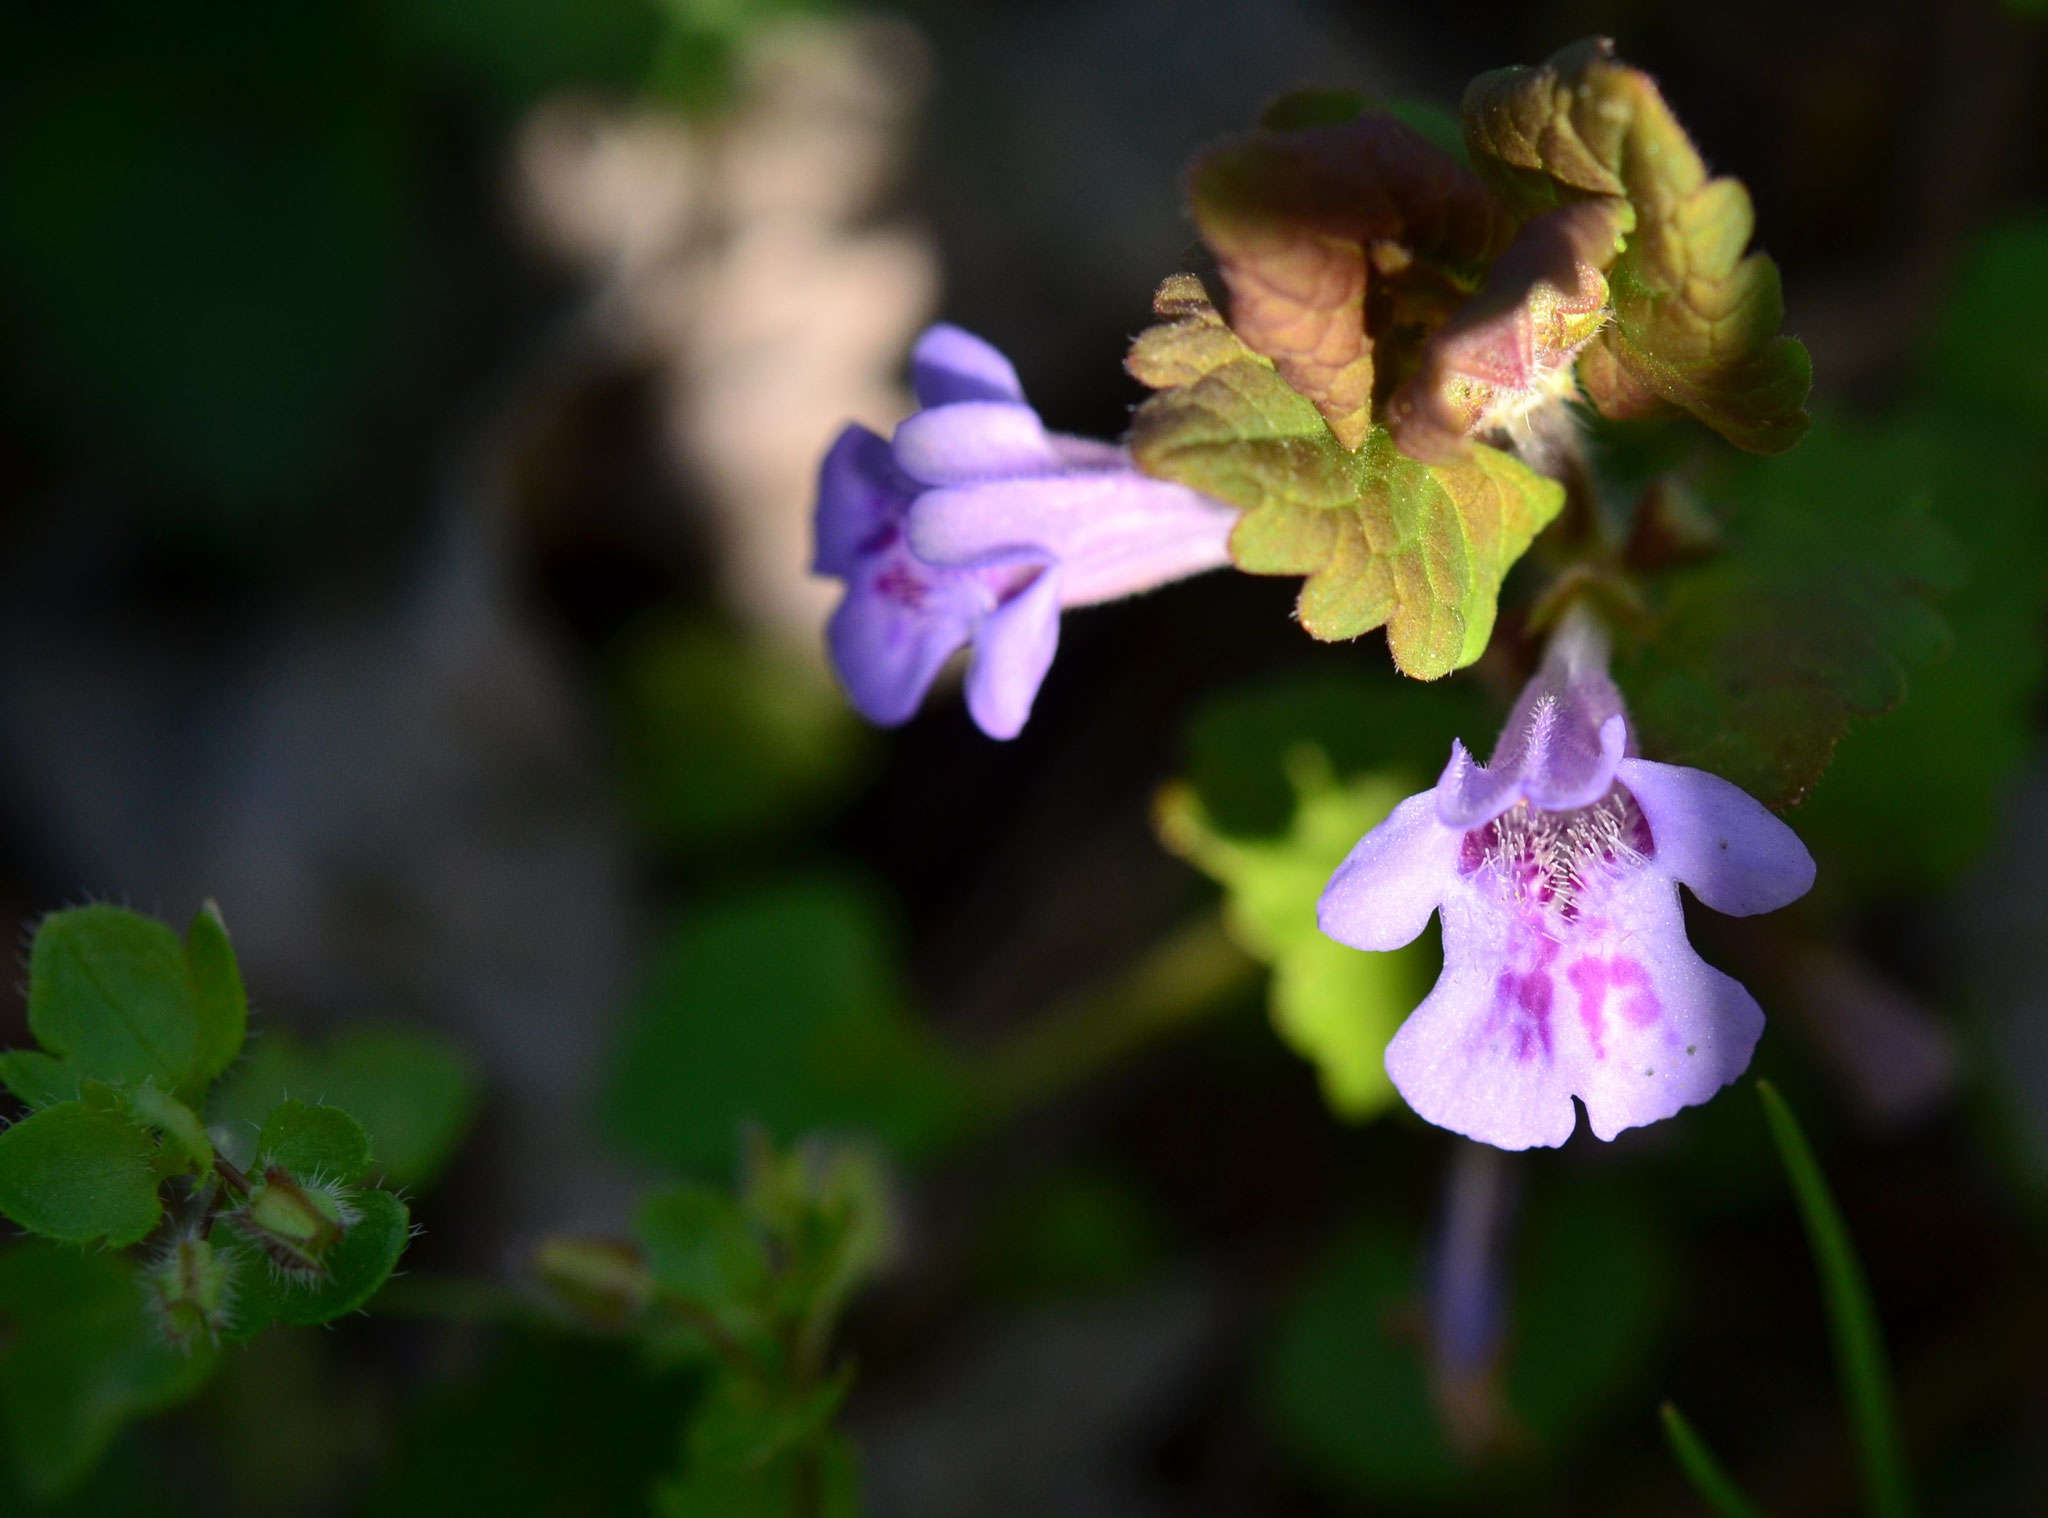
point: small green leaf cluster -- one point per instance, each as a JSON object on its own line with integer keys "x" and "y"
{"x": 749, "y": 1288}
{"x": 229, "y": 1228}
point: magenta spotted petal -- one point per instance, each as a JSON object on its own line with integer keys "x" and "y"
{"x": 1567, "y": 972}
{"x": 975, "y": 526}
{"x": 1618, "y": 1011}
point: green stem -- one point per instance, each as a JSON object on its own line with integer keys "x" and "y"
{"x": 1852, "y": 1319}
{"x": 1194, "y": 972}
{"x": 1716, "y": 1488}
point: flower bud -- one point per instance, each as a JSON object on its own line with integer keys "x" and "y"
{"x": 188, "y": 1287}
{"x": 295, "y": 1224}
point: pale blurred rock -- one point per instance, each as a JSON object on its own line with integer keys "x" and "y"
{"x": 743, "y": 258}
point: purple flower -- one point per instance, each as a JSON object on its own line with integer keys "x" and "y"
{"x": 976, "y": 525}
{"x": 1566, "y": 967}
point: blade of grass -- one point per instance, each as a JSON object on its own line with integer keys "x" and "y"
{"x": 1852, "y": 1320}
{"x": 1713, "y": 1484}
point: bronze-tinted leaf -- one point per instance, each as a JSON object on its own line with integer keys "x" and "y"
{"x": 1296, "y": 218}
{"x": 1383, "y": 539}
{"x": 1696, "y": 316}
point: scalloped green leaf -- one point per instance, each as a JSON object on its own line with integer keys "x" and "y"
{"x": 1912, "y": 799}
{"x": 356, "y": 1267}
{"x": 314, "y": 1142}
{"x": 1332, "y": 1005}
{"x": 1302, "y": 220}
{"x": 108, "y": 989}
{"x": 1384, "y": 540}
{"x": 1696, "y": 316}
{"x": 115, "y": 996}
{"x": 79, "y": 1174}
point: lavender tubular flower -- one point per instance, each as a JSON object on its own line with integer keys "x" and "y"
{"x": 975, "y": 525}
{"x": 1566, "y": 967}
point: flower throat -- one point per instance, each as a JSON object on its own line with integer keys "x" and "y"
{"x": 1547, "y": 861}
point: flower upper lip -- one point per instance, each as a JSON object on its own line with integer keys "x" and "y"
{"x": 1563, "y": 740}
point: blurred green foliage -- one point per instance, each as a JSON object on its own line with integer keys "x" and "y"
{"x": 1073, "y": 1233}
{"x": 1913, "y": 799}
{"x": 757, "y": 1283}
{"x": 1282, "y": 780}
{"x": 1860, "y": 1358}
{"x": 780, "y": 1006}
{"x": 519, "y": 50}
{"x": 1817, "y": 616}
{"x": 212, "y": 236}
{"x": 218, "y": 269}
{"x": 82, "y": 1357}
{"x": 726, "y": 737}
{"x": 541, "y": 1426}
{"x": 1346, "y": 1383}
{"x": 1756, "y": 662}
{"x": 1703, "y": 1470}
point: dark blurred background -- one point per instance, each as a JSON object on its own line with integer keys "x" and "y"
{"x": 408, "y": 410}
